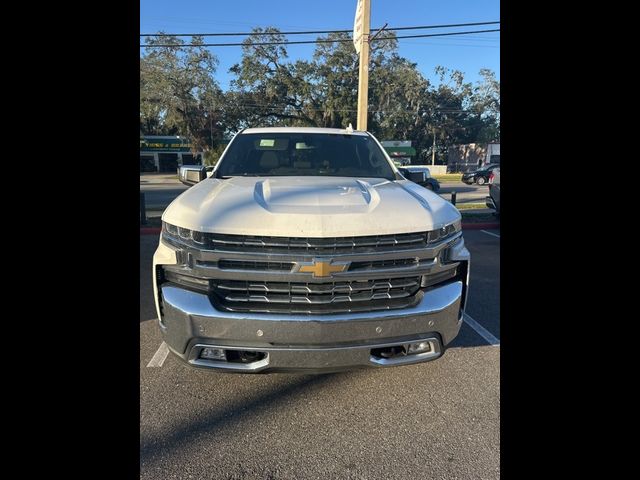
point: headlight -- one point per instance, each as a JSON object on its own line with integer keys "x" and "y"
{"x": 169, "y": 229}
{"x": 445, "y": 232}
{"x": 182, "y": 235}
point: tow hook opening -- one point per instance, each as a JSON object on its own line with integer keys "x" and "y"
{"x": 389, "y": 352}
{"x": 403, "y": 350}
{"x": 244, "y": 356}
{"x": 231, "y": 356}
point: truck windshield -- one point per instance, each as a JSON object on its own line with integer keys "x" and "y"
{"x": 304, "y": 154}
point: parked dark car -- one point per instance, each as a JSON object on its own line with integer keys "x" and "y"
{"x": 493, "y": 200}
{"x": 429, "y": 182}
{"x": 480, "y": 176}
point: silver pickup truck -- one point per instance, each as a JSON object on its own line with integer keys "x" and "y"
{"x": 307, "y": 250}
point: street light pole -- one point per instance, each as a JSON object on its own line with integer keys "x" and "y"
{"x": 433, "y": 152}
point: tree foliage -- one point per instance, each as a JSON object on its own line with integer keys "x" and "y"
{"x": 179, "y": 93}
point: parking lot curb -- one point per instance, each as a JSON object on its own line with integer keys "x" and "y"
{"x": 150, "y": 230}
{"x": 480, "y": 226}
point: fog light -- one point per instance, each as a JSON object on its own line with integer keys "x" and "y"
{"x": 418, "y": 347}
{"x": 213, "y": 354}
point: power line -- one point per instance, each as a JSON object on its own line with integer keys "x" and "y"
{"x": 308, "y": 32}
{"x": 349, "y": 40}
{"x": 451, "y": 44}
{"x": 440, "y": 34}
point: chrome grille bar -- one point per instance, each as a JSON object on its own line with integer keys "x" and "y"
{"x": 316, "y": 246}
{"x": 322, "y": 288}
{"x": 260, "y": 274}
{"x": 288, "y": 293}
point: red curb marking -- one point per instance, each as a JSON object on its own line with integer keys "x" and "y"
{"x": 150, "y": 230}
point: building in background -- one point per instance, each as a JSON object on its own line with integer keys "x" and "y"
{"x": 166, "y": 153}
{"x": 400, "y": 151}
{"x": 470, "y": 157}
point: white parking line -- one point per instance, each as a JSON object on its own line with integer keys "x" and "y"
{"x": 483, "y": 332}
{"x": 160, "y": 356}
{"x": 489, "y": 233}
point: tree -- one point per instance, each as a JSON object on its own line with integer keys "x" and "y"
{"x": 180, "y": 95}
{"x": 334, "y": 82}
{"x": 486, "y": 105}
{"x": 267, "y": 89}
{"x": 178, "y": 92}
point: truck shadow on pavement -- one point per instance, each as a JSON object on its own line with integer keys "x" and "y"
{"x": 217, "y": 422}
{"x": 253, "y": 400}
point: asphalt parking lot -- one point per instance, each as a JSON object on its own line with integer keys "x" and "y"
{"x": 437, "y": 420}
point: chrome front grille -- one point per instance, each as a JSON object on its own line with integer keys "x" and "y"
{"x": 267, "y": 266}
{"x": 254, "y": 265}
{"x": 312, "y": 246}
{"x": 381, "y": 264}
{"x": 265, "y": 275}
{"x": 314, "y": 297}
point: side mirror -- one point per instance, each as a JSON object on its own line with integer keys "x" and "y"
{"x": 416, "y": 176}
{"x": 192, "y": 174}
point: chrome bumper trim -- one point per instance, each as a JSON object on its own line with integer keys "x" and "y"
{"x": 306, "y": 341}
{"x": 313, "y": 359}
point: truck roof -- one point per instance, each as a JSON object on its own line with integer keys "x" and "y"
{"x": 334, "y": 131}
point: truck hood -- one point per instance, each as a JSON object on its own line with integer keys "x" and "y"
{"x": 309, "y": 207}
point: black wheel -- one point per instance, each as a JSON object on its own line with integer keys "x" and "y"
{"x": 480, "y": 181}
{"x": 428, "y": 186}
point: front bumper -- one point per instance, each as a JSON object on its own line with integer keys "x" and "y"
{"x": 189, "y": 321}
{"x": 315, "y": 343}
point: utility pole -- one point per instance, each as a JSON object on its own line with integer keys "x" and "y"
{"x": 433, "y": 152}
{"x": 362, "y": 28}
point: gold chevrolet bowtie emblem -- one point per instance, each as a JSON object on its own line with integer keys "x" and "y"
{"x": 323, "y": 269}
